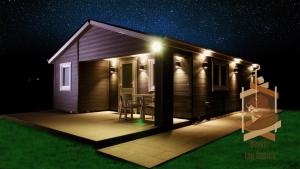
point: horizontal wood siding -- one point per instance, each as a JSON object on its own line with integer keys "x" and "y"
{"x": 182, "y": 83}
{"x": 220, "y": 102}
{"x": 99, "y": 43}
{"x": 201, "y": 86}
{"x": 66, "y": 100}
{"x": 94, "y": 86}
{"x": 113, "y": 89}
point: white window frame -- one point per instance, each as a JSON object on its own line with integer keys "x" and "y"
{"x": 151, "y": 85}
{"x": 61, "y": 67}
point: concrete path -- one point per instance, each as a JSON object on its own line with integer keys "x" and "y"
{"x": 154, "y": 150}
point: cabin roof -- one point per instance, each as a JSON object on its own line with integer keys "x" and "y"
{"x": 167, "y": 41}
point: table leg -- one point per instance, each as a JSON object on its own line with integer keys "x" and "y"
{"x": 143, "y": 108}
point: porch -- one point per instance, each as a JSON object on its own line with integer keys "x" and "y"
{"x": 93, "y": 127}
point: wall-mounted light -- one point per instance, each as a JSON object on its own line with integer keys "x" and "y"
{"x": 156, "y": 46}
{"x": 204, "y": 65}
{"x": 237, "y": 60}
{"x": 254, "y": 65}
{"x": 178, "y": 64}
{"x": 236, "y": 70}
{"x": 142, "y": 67}
{"x": 207, "y": 52}
{"x": 112, "y": 70}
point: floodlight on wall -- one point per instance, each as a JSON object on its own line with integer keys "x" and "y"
{"x": 112, "y": 70}
{"x": 178, "y": 64}
{"x": 156, "y": 46}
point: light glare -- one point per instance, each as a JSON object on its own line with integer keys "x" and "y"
{"x": 237, "y": 60}
{"x": 156, "y": 47}
{"x": 207, "y": 52}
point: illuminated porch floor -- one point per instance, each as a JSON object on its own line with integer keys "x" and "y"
{"x": 156, "y": 149}
{"x": 94, "y": 126}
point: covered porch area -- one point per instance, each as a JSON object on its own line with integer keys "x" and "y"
{"x": 123, "y": 84}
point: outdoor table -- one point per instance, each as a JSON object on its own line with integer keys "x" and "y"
{"x": 142, "y": 96}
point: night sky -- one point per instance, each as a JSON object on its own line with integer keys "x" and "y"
{"x": 261, "y": 31}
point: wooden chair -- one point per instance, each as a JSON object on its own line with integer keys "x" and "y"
{"x": 127, "y": 105}
{"x": 151, "y": 107}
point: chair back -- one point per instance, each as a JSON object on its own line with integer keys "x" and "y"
{"x": 124, "y": 99}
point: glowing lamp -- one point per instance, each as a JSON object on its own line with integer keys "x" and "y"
{"x": 236, "y": 70}
{"x": 156, "y": 46}
{"x": 112, "y": 70}
{"x": 255, "y": 66}
{"x": 207, "y": 52}
{"x": 237, "y": 60}
{"x": 204, "y": 65}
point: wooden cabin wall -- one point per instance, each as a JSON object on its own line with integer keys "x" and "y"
{"x": 201, "y": 85}
{"x": 98, "y": 43}
{"x": 142, "y": 75}
{"x": 94, "y": 86}
{"x": 220, "y": 101}
{"x": 66, "y": 100}
{"x": 113, "y": 86}
{"x": 182, "y": 83}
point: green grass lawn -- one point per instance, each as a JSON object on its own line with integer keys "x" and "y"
{"x": 26, "y": 147}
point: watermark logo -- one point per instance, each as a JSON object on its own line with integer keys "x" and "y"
{"x": 260, "y": 151}
{"x": 259, "y": 109}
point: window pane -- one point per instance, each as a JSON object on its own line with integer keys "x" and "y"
{"x": 216, "y": 75}
{"x": 66, "y": 78}
{"x": 223, "y": 75}
{"x": 127, "y": 75}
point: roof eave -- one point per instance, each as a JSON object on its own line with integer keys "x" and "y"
{"x": 124, "y": 31}
{"x": 71, "y": 40}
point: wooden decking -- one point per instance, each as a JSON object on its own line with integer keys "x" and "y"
{"x": 156, "y": 149}
{"x": 95, "y": 126}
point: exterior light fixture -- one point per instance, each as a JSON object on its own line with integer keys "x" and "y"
{"x": 177, "y": 64}
{"x": 207, "y": 52}
{"x": 237, "y": 60}
{"x": 255, "y": 66}
{"x": 156, "y": 47}
{"x": 142, "y": 67}
{"x": 112, "y": 70}
{"x": 202, "y": 57}
{"x": 236, "y": 70}
{"x": 205, "y": 65}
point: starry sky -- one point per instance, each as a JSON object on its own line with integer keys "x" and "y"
{"x": 261, "y": 31}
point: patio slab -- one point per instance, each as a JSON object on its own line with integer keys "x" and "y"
{"x": 156, "y": 149}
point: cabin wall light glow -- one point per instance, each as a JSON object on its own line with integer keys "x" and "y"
{"x": 156, "y": 47}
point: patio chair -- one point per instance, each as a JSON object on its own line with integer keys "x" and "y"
{"x": 151, "y": 107}
{"x": 127, "y": 105}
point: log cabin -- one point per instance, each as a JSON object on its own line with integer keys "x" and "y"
{"x": 101, "y": 61}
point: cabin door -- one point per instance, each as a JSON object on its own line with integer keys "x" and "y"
{"x": 127, "y": 74}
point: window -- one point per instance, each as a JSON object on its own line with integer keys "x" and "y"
{"x": 127, "y": 75}
{"x": 65, "y": 76}
{"x": 220, "y": 76}
{"x": 151, "y": 86}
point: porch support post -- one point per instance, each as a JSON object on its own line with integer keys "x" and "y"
{"x": 164, "y": 89}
